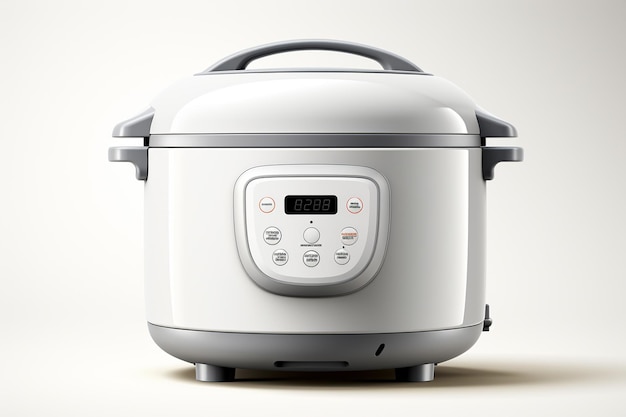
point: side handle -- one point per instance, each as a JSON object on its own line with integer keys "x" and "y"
{"x": 493, "y": 156}
{"x": 136, "y": 155}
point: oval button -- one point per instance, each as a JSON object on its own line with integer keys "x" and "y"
{"x": 342, "y": 256}
{"x": 280, "y": 257}
{"x": 355, "y": 205}
{"x": 349, "y": 236}
{"x": 267, "y": 204}
{"x": 272, "y": 235}
{"x": 311, "y": 235}
{"x": 311, "y": 258}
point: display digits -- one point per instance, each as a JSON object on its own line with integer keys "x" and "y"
{"x": 311, "y": 204}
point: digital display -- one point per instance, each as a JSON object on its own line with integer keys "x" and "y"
{"x": 311, "y": 204}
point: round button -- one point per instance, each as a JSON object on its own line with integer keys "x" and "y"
{"x": 342, "y": 256}
{"x": 354, "y": 205}
{"x": 272, "y": 235}
{"x": 280, "y": 257}
{"x": 349, "y": 236}
{"x": 311, "y": 258}
{"x": 267, "y": 204}
{"x": 311, "y": 235}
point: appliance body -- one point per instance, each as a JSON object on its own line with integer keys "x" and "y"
{"x": 315, "y": 220}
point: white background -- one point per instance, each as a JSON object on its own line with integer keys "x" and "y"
{"x": 73, "y": 339}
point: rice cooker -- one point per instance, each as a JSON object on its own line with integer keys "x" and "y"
{"x": 315, "y": 219}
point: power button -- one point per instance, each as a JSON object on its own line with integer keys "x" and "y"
{"x": 267, "y": 204}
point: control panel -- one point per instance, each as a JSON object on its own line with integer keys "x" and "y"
{"x": 311, "y": 230}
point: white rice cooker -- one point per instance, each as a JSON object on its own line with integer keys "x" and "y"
{"x": 315, "y": 219}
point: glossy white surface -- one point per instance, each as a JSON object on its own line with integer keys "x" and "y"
{"x": 432, "y": 276}
{"x": 335, "y": 103}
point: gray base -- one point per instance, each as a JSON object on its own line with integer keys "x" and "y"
{"x": 217, "y": 354}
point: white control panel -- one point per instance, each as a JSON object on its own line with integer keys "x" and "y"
{"x": 311, "y": 230}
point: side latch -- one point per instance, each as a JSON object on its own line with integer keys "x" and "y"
{"x": 136, "y": 155}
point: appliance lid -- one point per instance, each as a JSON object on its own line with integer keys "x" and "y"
{"x": 227, "y": 105}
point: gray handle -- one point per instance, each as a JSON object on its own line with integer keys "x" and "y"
{"x": 136, "y": 155}
{"x": 492, "y": 156}
{"x": 241, "y": 60}
{"x": 492, "y": 127}
{"x": 137, "y": 127}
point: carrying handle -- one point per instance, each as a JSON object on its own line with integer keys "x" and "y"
{"x": 241, "y": 60}
{"x": 492, "y": 156}
{"x": 136, "y": 155}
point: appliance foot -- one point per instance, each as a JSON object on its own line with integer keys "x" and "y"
{"x": 418, "y": 373}
{"x": 212, "y": 373}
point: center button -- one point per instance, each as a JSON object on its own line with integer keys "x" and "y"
{"x": 311, "y": 235}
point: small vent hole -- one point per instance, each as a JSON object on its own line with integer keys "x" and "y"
{"x": 380, "y": 349}
{"x": 311, "y": 365}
